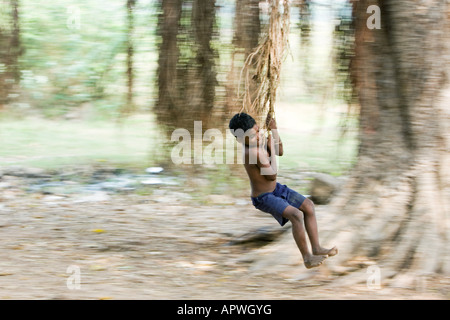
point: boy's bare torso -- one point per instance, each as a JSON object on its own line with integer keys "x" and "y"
{"x": 259, "y": 183}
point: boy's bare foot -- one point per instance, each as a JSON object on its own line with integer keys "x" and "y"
{"x": 313, "y": 261}
{"x": 323, "y": 251}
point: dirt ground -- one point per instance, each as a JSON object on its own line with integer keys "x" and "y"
{"x": 163, "y": 245}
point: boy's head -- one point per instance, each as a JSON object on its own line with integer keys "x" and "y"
{"x": 244, "y": 128}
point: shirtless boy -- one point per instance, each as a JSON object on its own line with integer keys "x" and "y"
{"x": 269, "y": 196}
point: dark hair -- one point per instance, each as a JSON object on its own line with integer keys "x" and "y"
{"x": 241, "y": 121}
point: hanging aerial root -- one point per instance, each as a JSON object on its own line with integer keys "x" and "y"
{"x": 262, "y": 68}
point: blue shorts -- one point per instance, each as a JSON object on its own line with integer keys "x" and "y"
{"x": 277, "y": 201}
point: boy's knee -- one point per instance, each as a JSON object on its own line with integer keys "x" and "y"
{"x": 293, "y": 214}
{"x": 307, "y": 206}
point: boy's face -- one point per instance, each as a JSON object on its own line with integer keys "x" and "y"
{"x": 252, "y": 136}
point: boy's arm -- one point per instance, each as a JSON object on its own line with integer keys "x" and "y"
{"x": 274, "y": 140}
{"x": 267, "y": 166}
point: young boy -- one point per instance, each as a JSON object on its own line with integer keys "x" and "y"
{"x": 269, "y": 196}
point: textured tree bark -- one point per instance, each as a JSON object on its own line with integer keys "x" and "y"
{"x": 397, "y": 199}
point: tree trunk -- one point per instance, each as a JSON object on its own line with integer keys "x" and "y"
{"x": 129, "y": 104}
{"x": 10, "y": 51}
{"x": 168, "y": 97}
{"x": 394, "y": 208}
{"x": 247, "y": 29}
{"x": 186, "y": 73}
{"x": 305, "y": 22}
{"x": 396, "y": 199}
{"x": 202, "y": 80}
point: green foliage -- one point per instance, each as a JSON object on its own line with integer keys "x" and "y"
{"x": 75, "y": 53}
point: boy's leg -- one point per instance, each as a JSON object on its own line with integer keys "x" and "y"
{"x": 298, "y": 231}
{"x": 308, "y": 209}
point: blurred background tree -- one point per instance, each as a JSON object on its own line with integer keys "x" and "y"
{"x": 129, "y": 104}
{"x": 186, "y": 63}
{"x": 245, "y": 39}
{"x": 10, "y": 51}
